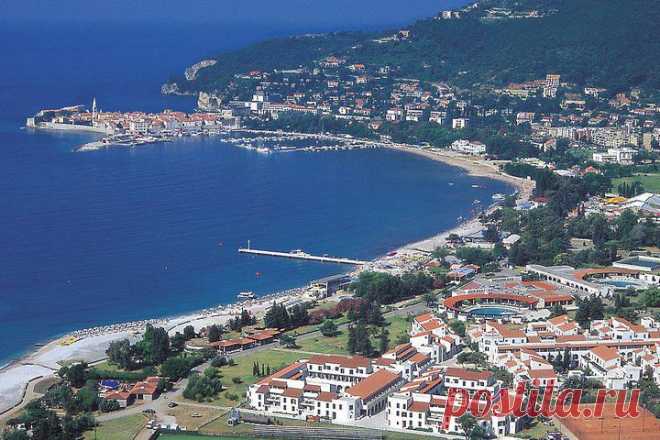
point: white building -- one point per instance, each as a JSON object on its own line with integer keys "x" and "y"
{"x": 337, "y": 388}
{"x": 469, "y": 147}
{"x": 621, "y": 155}
{"x": 459, "y": 123}
{"x": 412, "y": 410}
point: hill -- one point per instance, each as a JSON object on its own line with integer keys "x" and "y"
{"x": 610, "y": 44}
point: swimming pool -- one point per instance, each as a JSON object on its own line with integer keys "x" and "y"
{"x": 494, "y": 312}
{"x": 620, "y": 283}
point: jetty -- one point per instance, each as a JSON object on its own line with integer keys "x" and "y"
{"x": 298, "y": 254}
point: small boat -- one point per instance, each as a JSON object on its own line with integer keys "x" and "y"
{"x": 476, "y": 186}
{"x": 451, "y": 183}
{"x": 246, "y": 295}
{"x": 498, "y": 196}
{"x": 476, "y": 202}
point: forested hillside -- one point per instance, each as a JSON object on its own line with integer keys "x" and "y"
{"x": 611, "y": 43}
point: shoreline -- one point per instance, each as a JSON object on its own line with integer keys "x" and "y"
{"x": 90, "y": 344}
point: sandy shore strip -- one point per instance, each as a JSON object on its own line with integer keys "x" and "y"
{"x": 474, "y": 167}
{"x": 89, "y": 345}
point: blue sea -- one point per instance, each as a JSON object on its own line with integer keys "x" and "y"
{"x": 93, "y": 238}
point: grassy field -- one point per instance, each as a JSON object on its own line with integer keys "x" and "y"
{"x": 194, "y": 417}
{"x": 123, "y": 428}
{"x": 650, "y": 182}
{"x": 219, "y": 427}
{"x": 194, "y": 437}
{"x": 537, "y": 430}
{"x": 243, "y": 370}
{"x": 398, "y": 325}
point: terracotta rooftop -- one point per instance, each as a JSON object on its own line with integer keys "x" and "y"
{"x": 467, "y": 374}
{"x": 344, "y": 361}
{"x": 605, "y": 353}
{"x": 373, "y": 384}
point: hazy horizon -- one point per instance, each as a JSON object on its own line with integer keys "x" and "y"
{"x": 349, "y": 14}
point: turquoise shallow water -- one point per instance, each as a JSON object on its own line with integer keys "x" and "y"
{"x": 93, "y": 238}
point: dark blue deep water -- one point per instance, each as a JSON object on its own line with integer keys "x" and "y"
{"x": 93, "y": 238}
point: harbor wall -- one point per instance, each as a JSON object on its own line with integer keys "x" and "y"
{"x": 69, "y": 127}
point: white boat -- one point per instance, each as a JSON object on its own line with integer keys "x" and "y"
{"x": 498, "y": 196}
{"x": 246, "y": 295}
{"x": 476, "y": 186}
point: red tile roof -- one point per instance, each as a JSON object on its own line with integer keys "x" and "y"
{"x": 419, "y": 407}
{"x": 467, "y": 374}
{"x": 605, "y": 353}
{"x": 374, "y": 384}
{"x": 344, "y": 361}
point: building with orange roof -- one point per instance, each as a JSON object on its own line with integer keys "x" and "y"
{"x": 295, "y": 392}
{"x": 374, "y": 390}
{"x": 146, "y": 390}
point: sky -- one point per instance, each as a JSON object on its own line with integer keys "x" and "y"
{"x": 283, "y": 13}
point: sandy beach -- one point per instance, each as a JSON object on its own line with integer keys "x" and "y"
{"x": 89, "y": 345}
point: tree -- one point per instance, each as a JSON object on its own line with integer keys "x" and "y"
{"x": 491, "y": 234}
{"x": 201, "y": 387}
{"x": 362, "y": 340}
{"x": 214, "y": 333}
{"x": 351, "y": 344}
{"x": 429, "y": 299}
{"x": 74, "y": 374}
{"x": 189, "y": 332}
{"x": 108, "y": 405}
{"x": 121, "y": 353}
{"x": 473, "y": 255}
{"x": 375, "y": 315}
{"x": 155, "y": 345}
{"x": 277, "y": 316}
{"x": 440, "y": 253}
{"x": 557, "y": 310}
{"x": 178, "y": 342}
{"x": 383, "y": 340}
{"x": 505, "y": 376}
{"x": 247, "y": 319}
{"x": 175, "y": 368}
{"x": 288, "y": 341}
{"x": 87, "y": 397}
{"x": 457, "y": 327}
{"x": 467, "y": 422}
{"x": 328, "y": 328}
{"x": 16, "y": 434}
{"x": 651, "y": 297}
{"x": 299, "y": 315}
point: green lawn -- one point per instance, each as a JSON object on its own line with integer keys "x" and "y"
{"x": 219, "y": 427}
{"x": 123, "y": 428}
{"x": 194, "y": 437}
{"x": 536, "y": 430}
{"x": 650, "y": 182}
{"x": 243, "y": 370}
{"x": 337, "y": 344}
